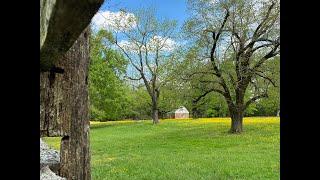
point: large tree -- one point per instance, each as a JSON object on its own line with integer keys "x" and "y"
{"x": 147, "y": 43}
{"x": 234, "y": 40}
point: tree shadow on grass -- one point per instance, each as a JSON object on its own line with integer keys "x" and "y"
{"x": 110, "y": 124}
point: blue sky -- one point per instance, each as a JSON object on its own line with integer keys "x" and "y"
{"x": 171, "y": 9}
{"x": 168, "y": 9}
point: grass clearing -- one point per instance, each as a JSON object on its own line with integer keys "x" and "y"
{"x": 184, "y": 149}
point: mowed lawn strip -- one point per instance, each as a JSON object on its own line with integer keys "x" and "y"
{"x": 184, "y": 149}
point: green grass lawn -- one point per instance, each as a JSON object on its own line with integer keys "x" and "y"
{"x": 185, "y": 149}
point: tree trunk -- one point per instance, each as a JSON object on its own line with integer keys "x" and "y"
{"x": 236, "y": 121}
{"x": 155, "y": 111}
{"x": 64, "y": 109}
{"x": 194, "y": 110}
{"x": 194, "y": 113}
{"x": 155, "y": 116}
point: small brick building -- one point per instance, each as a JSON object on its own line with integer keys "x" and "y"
{"x": 180, "y": 113}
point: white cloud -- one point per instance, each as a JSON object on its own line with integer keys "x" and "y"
{"x": 157, "y": 42}
{"x": 164, "y": 44}
{"x": 117, "y": 21}
{"x": 212, "y": 2}
{"x": 259, "y": 4}
{"x": 128, "y": 46}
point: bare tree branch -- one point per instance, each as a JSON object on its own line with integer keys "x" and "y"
{"x": 134, "y": 79}
{"x": 201, "y": 72}
{"x": 269, "y": 55}
{"x": 201, "y": 96}
{"x": 127, "y": 55}
{"x": 261, "y": 46}
{"x": 256, "y": 33}
{"x": 267, "y": 78}
{"x": 233, "y": 82}
{"x": 254, "y": 99}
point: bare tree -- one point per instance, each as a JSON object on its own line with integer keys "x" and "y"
{"x": 236, "y": 39}
{"x": 148, "y": 45}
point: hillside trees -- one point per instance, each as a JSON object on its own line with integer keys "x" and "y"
{"x": 108, "y": 92}
{"x": 234, "y": 41}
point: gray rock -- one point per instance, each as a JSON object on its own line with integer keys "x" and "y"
{"x": 49, "y": 157}
{"x": 43, "y": 145}
{"x": 47, "y": 174}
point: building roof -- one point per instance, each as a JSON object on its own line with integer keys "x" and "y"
{"x": 182, "y": 109}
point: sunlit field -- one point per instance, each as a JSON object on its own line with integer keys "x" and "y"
{"x": 184, "y": 149}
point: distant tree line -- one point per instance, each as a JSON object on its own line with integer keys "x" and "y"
{"x": 113, "y": 97}
{"x": 229, "y": 65}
